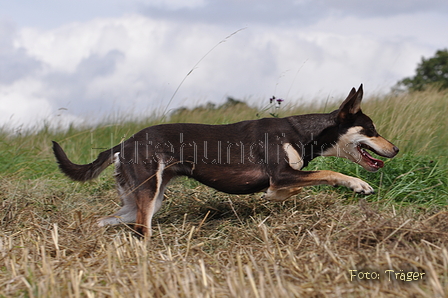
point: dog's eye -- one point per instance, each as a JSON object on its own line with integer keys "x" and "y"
{"x": 369, "y": 130}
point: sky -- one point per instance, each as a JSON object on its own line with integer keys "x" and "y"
{"x": 71, "y": 61}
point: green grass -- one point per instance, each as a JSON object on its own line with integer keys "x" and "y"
{"x": 405, "y": 179}
{"x": 211, "y": 244}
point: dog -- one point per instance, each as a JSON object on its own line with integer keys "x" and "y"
{"x": 241, "y": 158}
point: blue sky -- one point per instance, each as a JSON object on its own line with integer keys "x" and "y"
{"x": 70, "y": 61}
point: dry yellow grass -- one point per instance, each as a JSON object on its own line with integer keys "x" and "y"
{"x": 209, "y": 244}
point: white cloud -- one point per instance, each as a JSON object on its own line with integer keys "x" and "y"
{"x": 16, "y": 106}
{"x": 382, "y": 8}
{"x": 135, "y": 63}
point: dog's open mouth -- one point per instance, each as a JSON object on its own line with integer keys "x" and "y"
{"x": 368, "y": 159}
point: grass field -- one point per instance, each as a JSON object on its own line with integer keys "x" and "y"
{"x": 319, "y": 243}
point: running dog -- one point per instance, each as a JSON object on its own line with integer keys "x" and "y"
{"x": 240, "y": 158}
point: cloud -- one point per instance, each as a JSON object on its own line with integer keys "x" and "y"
{"x": 77, "y": 86}
{"x": 21, "y": 102}
{"x": 14, "y": 62}
{"x": 285, "y": 12}
{"x": 240, "y": 13}
{"x": 382, "y": 8}
{"x": 134, "y": 63}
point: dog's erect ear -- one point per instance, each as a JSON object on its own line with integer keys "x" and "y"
{"x": 351, "y": 105}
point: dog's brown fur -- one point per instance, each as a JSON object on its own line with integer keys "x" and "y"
{"x": 240, "y": 158}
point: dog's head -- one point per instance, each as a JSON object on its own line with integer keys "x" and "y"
{"x": 356, "y": 133}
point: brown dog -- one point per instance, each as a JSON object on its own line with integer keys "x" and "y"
{"x": 241, "y": 158}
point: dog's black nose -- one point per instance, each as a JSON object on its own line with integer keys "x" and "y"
{"x": 396, "y": 150}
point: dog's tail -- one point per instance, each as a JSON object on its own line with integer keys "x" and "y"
{"x": 83, "y": 172}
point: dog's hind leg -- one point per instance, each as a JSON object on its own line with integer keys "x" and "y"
{"x": 149, "y": 197}
{"x": 128, "y": 211}
{"x": 279, "y": 195}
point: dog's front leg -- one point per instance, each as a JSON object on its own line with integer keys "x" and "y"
{"x": 289, "y": 182}
{"x": 335, "y": 179}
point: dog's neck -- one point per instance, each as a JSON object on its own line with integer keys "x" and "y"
{"x": 316, "y": 132}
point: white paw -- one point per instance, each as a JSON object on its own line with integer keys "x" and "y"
{"x": 109, "y": 221}
{"x": 360, "y": 186}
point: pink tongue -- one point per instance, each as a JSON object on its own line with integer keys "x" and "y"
{"x": 373, "y": 161}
